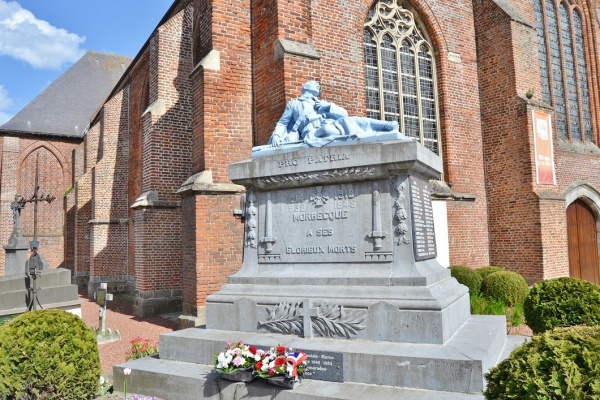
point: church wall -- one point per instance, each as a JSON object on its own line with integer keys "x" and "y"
{"x": 166, "y": 163}
{"x": 19, "y": 154}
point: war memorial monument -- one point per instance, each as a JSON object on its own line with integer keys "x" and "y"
{"x": 340, "y": 262}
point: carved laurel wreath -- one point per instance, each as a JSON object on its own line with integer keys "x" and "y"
{"x": 332, "y": 320}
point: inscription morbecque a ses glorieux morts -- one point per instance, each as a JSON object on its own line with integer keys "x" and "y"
{"x": 308, "y": 224}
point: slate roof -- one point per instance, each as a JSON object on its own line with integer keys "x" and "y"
{"x": 65, "y": 107}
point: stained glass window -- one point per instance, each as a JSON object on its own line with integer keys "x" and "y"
{"x": 563, "y": 71}
{"x": 400, "y": 73}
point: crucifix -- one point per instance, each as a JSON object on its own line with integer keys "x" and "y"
{"x": 36, "y": 197}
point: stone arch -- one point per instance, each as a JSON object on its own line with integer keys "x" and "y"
{"x": 589, "y": 195}
{"x": 585, "y": 192}
{"x": 51, "y": 182}
{"x": 426, "y": 18}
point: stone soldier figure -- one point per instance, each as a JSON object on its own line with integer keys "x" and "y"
{"x": 317, "y": 122}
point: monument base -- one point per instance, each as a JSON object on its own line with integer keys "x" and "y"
{"x": 448, "y": 371}
{"x": 15, "y": 256}
{"x": 56, "y": 291}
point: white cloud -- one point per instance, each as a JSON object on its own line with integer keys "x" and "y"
{"x": 5, "y": 102}
{"x": 34, "y": 41}
{"x": 4, "y": 117}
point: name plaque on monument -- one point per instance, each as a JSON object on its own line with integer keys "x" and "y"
{"x": 325, "y": 366}
{"x": 337, "y": 223}
{"x": 423, "y": 231}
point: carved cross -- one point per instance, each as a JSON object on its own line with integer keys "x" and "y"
{"x": 308, "y": 311}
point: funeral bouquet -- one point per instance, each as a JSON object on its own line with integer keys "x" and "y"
{"x": 237, "y": 356}
{"x": 281, "y": 362}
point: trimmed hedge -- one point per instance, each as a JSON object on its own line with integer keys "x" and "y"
{"x": 48, "y": 354}
{"x": 467, "y": 277}
{"x": 485, "y": 271}
{"x": 506, "y": 286}
{"x": 559, "y": 364}
{"x": 562, "y": 302}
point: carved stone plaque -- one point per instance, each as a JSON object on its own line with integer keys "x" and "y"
{"x": 422, "y": 219}
{"x": 325, "y": 366}
{"x": 329, "y": 223}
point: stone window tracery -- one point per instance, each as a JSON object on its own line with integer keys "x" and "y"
{"x": 400, "y": 73}
{"x": 563, "y": 70}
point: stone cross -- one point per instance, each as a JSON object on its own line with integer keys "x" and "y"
{"x": 102, "y": 296}
{"x": 308, "y": 311}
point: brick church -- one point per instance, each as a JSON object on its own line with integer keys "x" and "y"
{"x": 506, "y": 92}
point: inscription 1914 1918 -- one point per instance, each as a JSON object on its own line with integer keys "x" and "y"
{"x": 423, "y": 230}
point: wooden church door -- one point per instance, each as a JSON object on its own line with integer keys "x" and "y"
{"x": 583, "y": 242}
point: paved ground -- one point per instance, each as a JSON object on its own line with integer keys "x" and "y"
{"x": 119, "y": 316}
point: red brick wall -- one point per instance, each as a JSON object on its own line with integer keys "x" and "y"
{"x": 110, "y": 203}
{"x": 526, "y": 233}
{"x": 212, "y": 246}
{"x": 19, "y": 154}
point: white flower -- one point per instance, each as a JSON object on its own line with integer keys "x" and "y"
{"x": 127, "y": 371}
{"x": 265, "y": 367}
{"x": 102, "y": 380}
{"x": 257, "y": 357}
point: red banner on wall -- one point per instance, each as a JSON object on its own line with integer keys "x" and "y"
{"x": 544, "y": 151}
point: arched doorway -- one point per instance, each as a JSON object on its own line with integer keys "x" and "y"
{"x": 583, "y": 242}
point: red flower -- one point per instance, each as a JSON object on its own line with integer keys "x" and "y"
{"x": 252, "y": 350}
{"x": 258, "y": 365}
{"x": 280, "y": 361}
{"x": 280, "y": 349}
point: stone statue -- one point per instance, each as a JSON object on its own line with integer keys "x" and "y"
{"x": 16, "y": 207}
{"x": 316, "y": 122}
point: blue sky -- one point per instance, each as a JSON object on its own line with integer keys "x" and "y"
{"x": 41, "y": 39}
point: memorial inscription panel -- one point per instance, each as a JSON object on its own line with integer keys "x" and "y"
{"x": 422, "y": 212}
{"x": 332, "y": 223}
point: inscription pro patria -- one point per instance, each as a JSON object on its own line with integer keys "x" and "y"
{"x": 313, "y": 222}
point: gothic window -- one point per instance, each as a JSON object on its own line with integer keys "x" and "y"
{"x": 563, "y": 70}
{"x": 400, "y": 73}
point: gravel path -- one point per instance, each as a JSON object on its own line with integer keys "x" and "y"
{"x": 119, "y": 316}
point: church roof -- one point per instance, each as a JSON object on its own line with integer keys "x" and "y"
{"x": 65, "y": 107}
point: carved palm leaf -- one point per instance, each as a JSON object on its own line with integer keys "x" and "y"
{"x": 284, "y": 318}
{"x": 333, "y": 320}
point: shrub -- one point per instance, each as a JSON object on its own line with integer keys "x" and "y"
{"x": 48, "y": 354}
{"x": 142, "y": 348}
{"x": 481, "y": 305}
{"x": 467, "y": 277}
{"x": 506, "y": 286}
{"x": 558, "y": 364}
{"x": 562, "y": 302}
{"x": 485, "y": 271}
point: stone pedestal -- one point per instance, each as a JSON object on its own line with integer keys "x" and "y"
{"x": 15, "y": 256}
{"x": 341, "y": 238}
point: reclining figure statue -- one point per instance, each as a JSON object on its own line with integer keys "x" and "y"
{"x": 316, "y": 122}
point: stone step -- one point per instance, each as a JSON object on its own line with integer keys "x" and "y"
{"x": 456, "y": 366}
{"x": 176, "y": 380}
